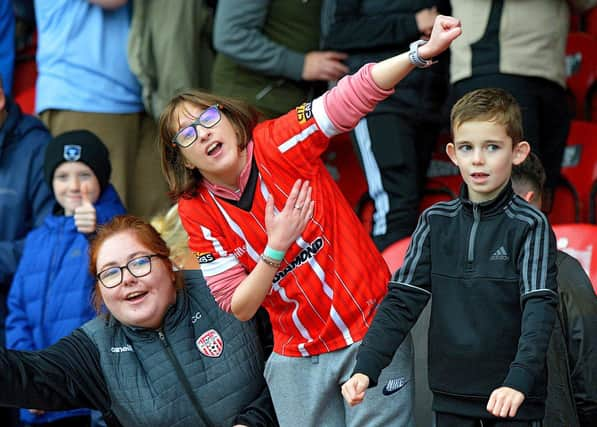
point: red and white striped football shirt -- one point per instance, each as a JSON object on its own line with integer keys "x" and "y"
{"x": 332, "y": 278}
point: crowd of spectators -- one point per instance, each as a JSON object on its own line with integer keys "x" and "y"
{"x": 124, "y": 87}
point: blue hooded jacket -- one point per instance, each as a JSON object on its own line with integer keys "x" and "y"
{"x": 52, "y": 289}
{"x": 25, "y": 198}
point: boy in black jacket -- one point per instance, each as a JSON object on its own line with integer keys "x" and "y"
{"x": 489, "y": 259}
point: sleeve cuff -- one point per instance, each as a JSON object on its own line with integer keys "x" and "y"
{"x": 366, "y": 365}
{"x": 292, "y": 66}
{"x": 519, "y": 379}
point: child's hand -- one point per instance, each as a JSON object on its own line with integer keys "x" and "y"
{"x": 85, "y": 220}
{"x": 285, "y": 227}
{"x": 445, "y": 30}
{"x": 353, "y": 390}
{"x": 504, "y": 402}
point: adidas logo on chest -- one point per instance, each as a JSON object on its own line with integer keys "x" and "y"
{"x": 500, "y": 254}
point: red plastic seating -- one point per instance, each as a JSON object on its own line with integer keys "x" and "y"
{"x": 579, "y": 241}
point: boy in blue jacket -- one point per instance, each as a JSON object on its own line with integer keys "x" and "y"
{"x": 488, "y": 257}
{"x": 51, "y": 291}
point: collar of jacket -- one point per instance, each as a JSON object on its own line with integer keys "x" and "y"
{"x": 490, "y": 207}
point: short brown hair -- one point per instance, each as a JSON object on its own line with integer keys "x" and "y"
{"x": 145, "y": 234}
{"x": 530, "y": 174}
{"x": 181, "y": 180}
{"x": 492, "y": 105}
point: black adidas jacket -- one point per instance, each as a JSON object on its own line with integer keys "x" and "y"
{"x": 491, "y": 269}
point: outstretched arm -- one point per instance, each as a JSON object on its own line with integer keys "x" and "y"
{"x": 341, "y": 108}
{"x": 65, "y": 375}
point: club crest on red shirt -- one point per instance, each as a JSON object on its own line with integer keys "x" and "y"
{"x": 210, "y": 343}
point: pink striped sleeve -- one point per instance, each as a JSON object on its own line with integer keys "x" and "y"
{"x": 353, "y": 97}
{"x": 223, "y": 285}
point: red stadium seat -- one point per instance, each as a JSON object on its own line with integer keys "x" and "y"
{"x": 579, "y": 169}
{"x": 394, "y": 254}
{"x": 578, "y": 241}
{"x": 581, "y": 57}
{"x": 566, "y": 205}
{"x": 437, "y": 189}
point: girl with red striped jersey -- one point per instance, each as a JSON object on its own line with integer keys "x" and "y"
{"x": 270, "y": 228}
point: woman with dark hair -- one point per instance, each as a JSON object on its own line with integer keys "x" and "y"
{"x": 159, "y": 353}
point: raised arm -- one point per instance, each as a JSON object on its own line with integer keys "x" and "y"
{"x": 358, "y": 94}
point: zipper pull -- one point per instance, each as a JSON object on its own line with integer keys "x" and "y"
{"x": 162, "y": 337}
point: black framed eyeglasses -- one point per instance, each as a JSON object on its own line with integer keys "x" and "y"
{"x": 208, "y": 119}
{"x": 138, "y": 267}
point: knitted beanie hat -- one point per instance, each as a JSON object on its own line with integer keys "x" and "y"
{"x": 78, "y": 146}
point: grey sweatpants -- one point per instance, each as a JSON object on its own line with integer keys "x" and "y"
{"x": 306, "y": 390}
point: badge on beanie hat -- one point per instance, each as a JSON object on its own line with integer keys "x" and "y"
{"x": 72, "y": 153}
{"x": 78, "y": 146}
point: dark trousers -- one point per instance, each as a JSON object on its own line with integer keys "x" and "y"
{"x": 9, "y": 417}
{"x": 443, "y": 419}
{"x": 545, "y": 115}
{"x": 395, "y": 152}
